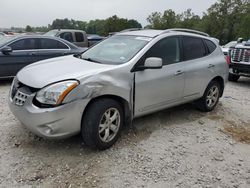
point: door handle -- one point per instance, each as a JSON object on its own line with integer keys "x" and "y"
{"x": 179, "y": 72}
{"x": 211, "y": 65}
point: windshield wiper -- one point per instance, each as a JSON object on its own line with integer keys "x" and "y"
{"x": 91, "y": 60}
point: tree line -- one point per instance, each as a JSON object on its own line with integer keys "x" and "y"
{"x": 98, "y": 26}
{"x": 226, "y": 20}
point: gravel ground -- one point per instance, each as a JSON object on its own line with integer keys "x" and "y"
{"x": 178, "y": 147}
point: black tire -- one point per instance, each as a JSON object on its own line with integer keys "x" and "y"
{"x": 233, "y": 77}
{"x": 92, "y": 121}
{"x": 202, "y": 103}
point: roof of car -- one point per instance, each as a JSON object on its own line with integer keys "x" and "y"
{"x": 144, "y": 32}
{"x": 68, "y": 30}
{"x": 12, "y": 38}
{"x": 37, "y": 36}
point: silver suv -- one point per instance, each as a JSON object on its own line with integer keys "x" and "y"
{"x": 128, "y": 75}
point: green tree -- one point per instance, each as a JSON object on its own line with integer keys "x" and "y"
{"x": 28, "y": 28}
{"x": 227, "y": 20}
{"x": 155, "y": 21}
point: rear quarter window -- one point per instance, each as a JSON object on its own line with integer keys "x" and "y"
{"x": 210, "y": 46}
{"x": 193, "y": 48}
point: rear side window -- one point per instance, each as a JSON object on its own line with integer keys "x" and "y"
{"x": 67, "y": 36}
{"x": 193, "y": 48}
{"x": 79, "y": 37}
{"x": 51, "y": 44}
{"x": 210, "y": 45}
{"x": 167, "y": 49}
{"x": 24, "y": 44}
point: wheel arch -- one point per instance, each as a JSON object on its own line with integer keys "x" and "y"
{"x": 123, "y": 102}
{"x": 220, "y": 80}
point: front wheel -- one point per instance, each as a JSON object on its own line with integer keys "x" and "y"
{"x": 102, "y": 123}
{"x": 210, "y": 98}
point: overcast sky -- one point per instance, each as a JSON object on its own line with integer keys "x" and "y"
{"x": 42, "y": 12}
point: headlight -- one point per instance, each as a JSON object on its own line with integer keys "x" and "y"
{"x": 54, "y": 94}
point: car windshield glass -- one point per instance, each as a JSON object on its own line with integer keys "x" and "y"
{"x": 5, "y": 40}
{"x": 51, "y": 33}
{"x": 117, "y": 49}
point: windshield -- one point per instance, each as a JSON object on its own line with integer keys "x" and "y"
{"x": 4, "y": 40}
{"x": 51, "y": 33}
{"x": 117, "y": 49}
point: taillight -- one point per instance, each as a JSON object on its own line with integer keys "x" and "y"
{"x": 227, "y": 58}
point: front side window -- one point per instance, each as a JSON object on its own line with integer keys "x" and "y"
{"x": 51, "y": 44}
{"x": 167, "y": 49}
{"x": 24, "y": 44}
{"x": 117, "y": 49}
{"x": 67, "y": 36}
{"x": 79, "y": 37}
{"x": 193, "y": 48}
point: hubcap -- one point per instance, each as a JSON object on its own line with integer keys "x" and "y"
{"x": 212, "y": 96}
{"x": 109, "y": 124}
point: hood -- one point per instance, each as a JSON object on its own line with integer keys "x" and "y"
{"x": 45, "y": 72}
{"x": 242, "y": 46}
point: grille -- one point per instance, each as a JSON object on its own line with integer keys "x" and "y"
{"x": 241, "y": 55}
{"x": 20, "y": 92}
{"x": 20, "y": 98}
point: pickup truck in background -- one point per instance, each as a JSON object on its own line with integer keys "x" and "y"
{"x": 77, "y": 37}
{"x": 240, "y": 61}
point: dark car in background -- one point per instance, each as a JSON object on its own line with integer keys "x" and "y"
{"x": 17, "y": 52}
{"x": 93, "y": 39}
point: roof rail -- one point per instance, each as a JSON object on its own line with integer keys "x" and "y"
{"x": 131, "y": 29}
{"x": 186, "y": 30}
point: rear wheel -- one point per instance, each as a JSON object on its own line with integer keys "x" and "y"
{"x": 233, "y": 77}
{"x": 210, "y": 98}
{"x": 102, "y": 123}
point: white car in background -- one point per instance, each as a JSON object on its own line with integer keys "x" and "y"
{"x": 2, "y": 34}
{"x": 226, "y": 47}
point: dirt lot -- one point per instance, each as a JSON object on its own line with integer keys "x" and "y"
{"x": 179, "y": 147}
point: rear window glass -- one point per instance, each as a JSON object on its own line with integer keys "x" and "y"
{"x": 52, "y": 44}
{"x": 210, "y": 45}
{"x": 193, "y": 48}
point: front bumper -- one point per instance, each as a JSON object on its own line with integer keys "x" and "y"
{"x": 54, "y": 123}
{"x": 238, "y": 68}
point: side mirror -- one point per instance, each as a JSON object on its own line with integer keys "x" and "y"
{"x": 153, "y": 63}
{"x": 6, "y": 50}
{"x": 150, "y": 63}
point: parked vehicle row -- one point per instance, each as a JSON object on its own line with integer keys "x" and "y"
{"x": 17, "y": 52}
{"x": 126, "y": 76}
